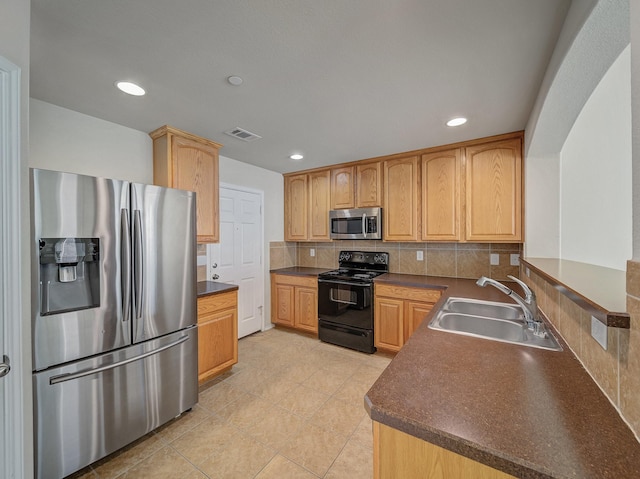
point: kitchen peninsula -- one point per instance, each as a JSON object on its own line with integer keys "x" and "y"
{"x": 468, "y": 407}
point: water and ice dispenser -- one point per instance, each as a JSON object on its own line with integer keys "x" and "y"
{"x": 69, "y": 274}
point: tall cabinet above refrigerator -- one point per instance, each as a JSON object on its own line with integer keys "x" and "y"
{"x": 113, "y": 314}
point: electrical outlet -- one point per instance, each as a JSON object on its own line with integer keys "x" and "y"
{"x": 494, "y": 259}
{"x": 599, "y": 332}
{"x": 514, "y": 259}
{"x": 312, "y": 252}
{"x": 420, "y": 255}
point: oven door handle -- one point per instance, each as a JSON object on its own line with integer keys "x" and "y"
{"x": 339, "y": 300}
{"x": 333, "y": 281}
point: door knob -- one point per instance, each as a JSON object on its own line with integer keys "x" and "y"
{"x": 215, "y": 276}
{"x": 5, "y": 366}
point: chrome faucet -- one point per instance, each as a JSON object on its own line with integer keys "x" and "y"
{"x": 528, "y": 303}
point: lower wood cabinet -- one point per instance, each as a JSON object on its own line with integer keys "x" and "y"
{"x": 294, "y": 301}
{"x": 217, "y": 334}
{"x": 399, "y": 310}
{"x": 397, "y": 454}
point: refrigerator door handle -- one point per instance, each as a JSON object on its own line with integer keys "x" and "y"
{"x": 138, "y": 274}
{"x": 87, "y": 372}
{"x": 125, "y": 257}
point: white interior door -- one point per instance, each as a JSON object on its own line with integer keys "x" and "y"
{"x": 237, "y": 259}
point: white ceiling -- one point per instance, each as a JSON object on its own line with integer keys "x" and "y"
{"x": 336, "y": 80}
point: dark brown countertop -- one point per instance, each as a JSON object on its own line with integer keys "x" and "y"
{"x": 599, "y": 290}
{"x": 207, "y": 288}
{"x": 300, "y": 271}
{"x": 528, "y": 412}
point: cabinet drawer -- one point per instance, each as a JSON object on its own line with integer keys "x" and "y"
{"x": 403, "y": 292}
{"x": 308, "y": 281}
{"x": 216, "y": 302}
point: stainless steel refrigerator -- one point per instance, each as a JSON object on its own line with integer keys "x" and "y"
{"x": 113, "y": 314}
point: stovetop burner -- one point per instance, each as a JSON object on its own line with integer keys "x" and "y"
{"x": 359, "y": 265}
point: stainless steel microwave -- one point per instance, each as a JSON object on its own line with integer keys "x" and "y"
{"x": 357, "y": 223}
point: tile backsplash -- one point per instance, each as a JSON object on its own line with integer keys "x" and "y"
{"x": 458, "y": 260}
{"x": 617, "y": 369}
{"x": 201, "y": 251}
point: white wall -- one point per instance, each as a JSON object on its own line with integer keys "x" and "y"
{"x": 65, "y": 140}
{"x": 595, "y": 203}
{"x": 542, "y": 214}
{"x": 635, "y": 113}
{"x": 593, "y": 36}
{"x": 272, "y": 183}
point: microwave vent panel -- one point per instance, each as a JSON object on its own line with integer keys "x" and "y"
{"x": 242, "y": 134}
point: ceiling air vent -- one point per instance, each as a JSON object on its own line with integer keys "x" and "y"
{"x": 243, "y": 135}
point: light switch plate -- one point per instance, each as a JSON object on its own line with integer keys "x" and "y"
{"x": 514, "y": 259}
{"x": 312, "y": 252}
{"x": 494, "y": 259}
{"x": 599, "y": 332}
{"x": 420, "y": 255}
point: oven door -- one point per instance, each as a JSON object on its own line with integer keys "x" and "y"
{"x": 345, "y": 303}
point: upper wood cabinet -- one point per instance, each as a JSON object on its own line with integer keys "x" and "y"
{"x": 401, "y": 199}
{"x": 306, "y": 206}
{"x": 187, "y": 162}
{"x": 358, "y": 186}
{"x": 295, "y": 207}
{"x": 493, "y": 173}
{"x": 369, "y": 185}
{"x": 442, "y": 195}
{"x": 319, "y": 205}
{"x": 468, "y": 191}
{"x": 342, "y": 188}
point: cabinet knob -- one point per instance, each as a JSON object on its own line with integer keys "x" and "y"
{"x": 215, "y": 276}
{"x": 214, "y": 265}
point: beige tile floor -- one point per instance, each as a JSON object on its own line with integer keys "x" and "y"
{"x": 291, "y": 408}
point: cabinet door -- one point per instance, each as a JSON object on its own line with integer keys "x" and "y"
{"x": 217, "y": 343}
{"x": 217, "y": 334}
{"x": 494, "y": 191}
{"x": 283, "y": 311}
{"x": 306, "y": 311}
{"x": 295, "y": 208}
{"x": 441, "y": 195}
{"x": 389, "y": 323}
{"x": 415, "y": 312}
{"x": 195, "y": 168}
{"x": 401, "y": 199}
{"x": 342, "y": 188}
{"x": 319, "y": 205}
{"x": 369, "y": 185}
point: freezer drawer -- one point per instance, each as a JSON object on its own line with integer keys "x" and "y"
{"x": 89, "y": 409}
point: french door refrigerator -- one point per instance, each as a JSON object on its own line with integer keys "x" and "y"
{"x": 114, "y": 331}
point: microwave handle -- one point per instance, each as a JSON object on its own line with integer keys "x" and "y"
{"x": 364, "y": 225}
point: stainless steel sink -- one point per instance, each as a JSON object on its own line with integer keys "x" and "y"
{"x": 489, "y": 320}
{"x": 500, "y": 329}
{"x": 489, "y": 309}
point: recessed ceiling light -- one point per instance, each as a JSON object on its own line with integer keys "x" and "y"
{"x": 235, "y": 80}
{"x": 130, "y": 88}
{"x": 296, "y": 156}
{"x": 457, "y": 121}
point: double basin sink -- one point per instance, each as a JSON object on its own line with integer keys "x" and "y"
{"x": 502, "y": 322}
